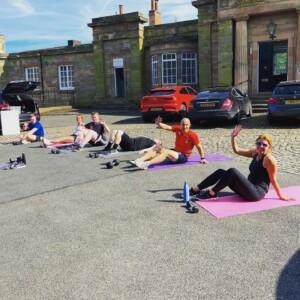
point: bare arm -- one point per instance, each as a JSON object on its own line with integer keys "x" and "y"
{"x": 236, "y": 149}
{"x": 201, "y": 153}
{"x": 271, "y": 166}
{"x": 160, "y": 125}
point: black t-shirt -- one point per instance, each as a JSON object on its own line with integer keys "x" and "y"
{"x": 99, "y": 128}
{"x": 134, "y": 144}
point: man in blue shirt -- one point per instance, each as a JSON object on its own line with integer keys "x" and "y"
{"x": 35, "y": 130}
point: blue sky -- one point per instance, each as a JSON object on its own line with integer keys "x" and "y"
{"x": 37, "y": 24}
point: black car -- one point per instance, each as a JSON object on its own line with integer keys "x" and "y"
{"x": 285, "y": 101}
{"x": 220, "y": 103}
{"x": 14, "y": 94}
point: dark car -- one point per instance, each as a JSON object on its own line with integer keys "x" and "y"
{"x": 14, "y": 94}
{"x": 220, "y": 103}
{"x": 285, "y": 101}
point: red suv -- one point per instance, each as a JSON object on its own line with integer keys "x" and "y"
{"x": 167, "y": 101}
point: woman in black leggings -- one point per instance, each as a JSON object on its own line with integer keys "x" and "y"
{"x": 263, "y": 169}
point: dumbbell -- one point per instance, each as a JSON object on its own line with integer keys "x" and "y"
{"x": 55, "y": 151}
{"x": 192, "y": 207}
{"x": 111, "y": 164}
{"x": 93, "y": 155}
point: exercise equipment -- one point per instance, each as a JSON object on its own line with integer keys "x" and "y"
{"x": 190, "y": 206}
{"x": 18, "y": 163}
{"x": 113, "y": 163}
{"x": 93, "y": 155}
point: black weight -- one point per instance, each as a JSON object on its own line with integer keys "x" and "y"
{"x": 91, "y": 155}
{"x": 96, "y": 155}
{"x": 115, "y": 162}
{"x": 109, "y": 165}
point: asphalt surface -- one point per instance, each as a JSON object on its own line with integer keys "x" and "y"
{"x": 71, "y": 229}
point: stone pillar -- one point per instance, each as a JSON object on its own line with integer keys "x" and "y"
{"x": 99, "y": 69}
{"x": 297, "y": 75}
{"x": 241, "y": 55}
{"x": 3, "y": 58}
{"x": 225, "y": 52}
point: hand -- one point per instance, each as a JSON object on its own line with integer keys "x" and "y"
{"x": 235, "y": 132}
{"x": 203, "y": 161}
{"x": 284, "y": 198}
{"x": 158, "y": 120}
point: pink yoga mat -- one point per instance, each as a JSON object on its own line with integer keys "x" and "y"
{"x": 60, "y": 145}
{"x": 234, "y": 205}
{"x": 193, "y": 159}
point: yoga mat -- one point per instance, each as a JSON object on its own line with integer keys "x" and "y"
{"x": 116, "y": 154}
{"x": 234, "y": 205}
{"x": 193, "y": 159}
{"x": 61, "y": 145}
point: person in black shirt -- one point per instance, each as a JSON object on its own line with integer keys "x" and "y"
{"x": 127, "y": 143}
{"x": 96, "y": 132}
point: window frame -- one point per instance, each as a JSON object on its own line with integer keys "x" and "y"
{"x": 154, "y": 70}
{"x": 35, "y": 74}
{"x": 166, "y": 60}
{"x": 68, "y": 87}
{"x": 191, "y": 75}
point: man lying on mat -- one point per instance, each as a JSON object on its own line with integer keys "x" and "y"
{"x": 67, "y": 139}
{"x": 263, "y": 169}
{"x": 119, "y": 138}
{"x": 185, "y": 141}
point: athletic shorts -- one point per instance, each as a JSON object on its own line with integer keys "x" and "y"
{"x": 181, "y": 159}
{"x": 38, "y": 138}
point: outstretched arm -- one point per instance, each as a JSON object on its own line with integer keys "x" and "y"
{"x": 160, "y": 125}
{"x": 271, "y": 166}
{"x": 201, "y": 153}
{"x": 236, "y": 149}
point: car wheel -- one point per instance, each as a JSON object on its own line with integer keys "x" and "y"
{"x": 147, "y": 118}
{"x": 237, "y": 118}
{"x": 183, "y": 111}
{"x": 271, "y": 119}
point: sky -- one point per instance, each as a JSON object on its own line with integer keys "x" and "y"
{"x": 38, "y": 24}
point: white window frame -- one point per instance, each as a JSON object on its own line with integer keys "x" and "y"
{"x": 164, "y": 58}
{"x": 188, "y": 72}
{"x": 154, "y": 70}
{"x": 68, "y": 85}
{"x": 32, "y": 74}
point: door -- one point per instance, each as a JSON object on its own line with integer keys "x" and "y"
{"x": 273, "y": 64}
{"x": 119, "y": 82}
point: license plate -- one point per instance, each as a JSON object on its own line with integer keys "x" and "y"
{"x": 156, "y": 109}
{"x": 207, "y": 104}
{"x": 292, "y": 101}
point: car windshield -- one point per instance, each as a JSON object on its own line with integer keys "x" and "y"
{"x": 162, "y": 92}
{"x": 287, "y": 89}
{"x": 213, "y": 94}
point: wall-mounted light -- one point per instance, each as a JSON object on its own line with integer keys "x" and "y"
{"x": 271, "y": 28}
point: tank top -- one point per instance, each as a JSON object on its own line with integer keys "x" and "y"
{"x": 258, "y": 174}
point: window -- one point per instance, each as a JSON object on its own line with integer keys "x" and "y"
{"x": 66, "y": 77}
{"x": 169, "y": 68}
{"x": 184, "y": 91}
{"x": 32, "y": 74}
{"x": 154, "y": 68}
{"x": 189, "y": 68}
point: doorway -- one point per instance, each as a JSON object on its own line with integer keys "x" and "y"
{"x": 119, "y": 82}
{"x": 273, "y": 64}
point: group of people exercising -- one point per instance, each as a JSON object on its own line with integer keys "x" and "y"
{"x": 263, "y": 166}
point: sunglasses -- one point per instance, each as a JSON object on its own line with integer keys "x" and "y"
{"x": 261, "y": 144}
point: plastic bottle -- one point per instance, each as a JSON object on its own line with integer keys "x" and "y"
{"x": 186, "y": 192}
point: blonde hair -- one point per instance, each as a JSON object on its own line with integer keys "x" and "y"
{"x": 266, "y": 137}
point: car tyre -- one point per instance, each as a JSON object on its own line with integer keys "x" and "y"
{"x": 237, "y": 118}
{"x": 147, "y": 118}
{"x": 271, "y": 120}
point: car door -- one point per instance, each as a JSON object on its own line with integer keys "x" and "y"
{"x": 184, "y": 98}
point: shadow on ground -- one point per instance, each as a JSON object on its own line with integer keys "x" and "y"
{"x": 288, "y": 285}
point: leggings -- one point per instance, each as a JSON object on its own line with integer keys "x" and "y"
{"x": 235, "y": 181}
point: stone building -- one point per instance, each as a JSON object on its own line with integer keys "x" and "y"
{"x": 252, "y": 44}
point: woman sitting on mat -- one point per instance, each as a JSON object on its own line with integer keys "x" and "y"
{"x": 67, "y": 139}
{"x": 120, "y": 138}
{"x": 263, "y": 169}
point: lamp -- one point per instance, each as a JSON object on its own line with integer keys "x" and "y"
{"x": 271, "y": 28}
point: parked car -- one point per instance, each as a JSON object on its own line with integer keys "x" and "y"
{"x": 14, "y": 94}
{"x": 220, "y": 103}
{"x": 167, "y": 101}
{"x": 285, "y": 101}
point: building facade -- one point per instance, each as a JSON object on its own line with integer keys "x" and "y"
{"x": 252, "y": 44}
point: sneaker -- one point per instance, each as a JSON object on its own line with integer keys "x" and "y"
{"x": 45, "y": 142}
{"x": 15, "y": 143}
{"x": 132, "y": 162}
{"x": 24, "y": 142}
{"x": 206, "y": 195}
{"x": 143, "y": 165}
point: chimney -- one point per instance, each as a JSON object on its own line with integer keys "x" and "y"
{"x": 73, "y": 43}
{"x": 154, "y": 14}
{"x": 121, "y": 9}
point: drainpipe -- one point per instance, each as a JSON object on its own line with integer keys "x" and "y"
{"x": 42, "y": 77}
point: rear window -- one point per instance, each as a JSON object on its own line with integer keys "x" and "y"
{"x": 212, "y": 94}
{"x": 287, "y": 89}
{"x": 162, "y": 92}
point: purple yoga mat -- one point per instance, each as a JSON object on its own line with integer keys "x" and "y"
{"x": 193, "y": 159}
{"x": 234, "y": 205}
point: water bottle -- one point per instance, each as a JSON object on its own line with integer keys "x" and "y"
{"x": 186, "y": 192}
